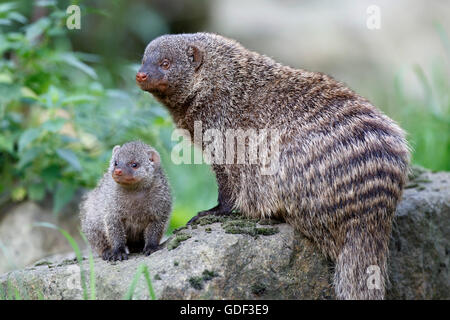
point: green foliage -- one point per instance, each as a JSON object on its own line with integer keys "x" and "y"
{"x": 61, "y": 113}
{"x": 92, "y": 281}
{"x": 425, "y": 113}
{"x": 42, "y": 84}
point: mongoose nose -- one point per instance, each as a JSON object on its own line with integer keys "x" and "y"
{"x": 118, "y": 172}
{"x": 141, "y": 77}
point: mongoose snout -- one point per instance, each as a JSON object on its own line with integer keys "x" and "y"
{"x": 125, "y": 174}
{"x": 152, "y": 76}
{"x": 141, "y": 77}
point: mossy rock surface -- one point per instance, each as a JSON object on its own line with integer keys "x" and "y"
{"x": 236, "y": 258}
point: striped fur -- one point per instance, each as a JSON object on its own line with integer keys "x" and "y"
{"x": 343, "y": 163}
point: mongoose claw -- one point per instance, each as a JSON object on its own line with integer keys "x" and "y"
{"x": 149, "y": 249}
{"x": 115, "y": 254}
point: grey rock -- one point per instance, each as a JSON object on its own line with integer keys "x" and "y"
{"x": 235, "y": 258}
{"x": 22, "y": 243}
{"x": 420, "y": 242}
{"x": 210, "y": 264}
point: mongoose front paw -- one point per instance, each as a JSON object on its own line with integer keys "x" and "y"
{"x": 115, "y": 254}
{"x": 149, "y": 249}
{"x": 219, "y": 210}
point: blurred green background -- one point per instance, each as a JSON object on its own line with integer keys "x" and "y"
{"x": 68, "y": 96}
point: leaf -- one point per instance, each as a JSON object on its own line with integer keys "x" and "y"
{"x": 35, "y": 30}
{"x": 6, "y": 143}
{"x": 9, "y": 92}
{"x": 54, "y": 125}
{"x": 5, "y": 22}
{"x": 70, "y": 157}
{"x": 5, "y": 78}
{"x": 51, "y": 97}
{"x": 78, "y": 99}
{"x": 18, "y": 194}
{"x": 28, "y": 93}
{"x": 73, "y": 61}
{"x": 46, "y": 3}
{"x": 17, "y": 17}
{"x": 7, "y": 6}
{"x": 51, "y": 175}
{"x": 27, "y": 137}
{"x": 36, "y": 191}
{"x": 15, "y": 117}
{"x": 54, "y": 94}
{"x": 28, "y": 156}
{"x": 62, "y": 196}
{"x": 117, "y": 94}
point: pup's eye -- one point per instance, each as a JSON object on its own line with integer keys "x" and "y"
{"x": 134, "y": 165}
{"x": 165, "y": 64}
{"x": 115, "y": 163}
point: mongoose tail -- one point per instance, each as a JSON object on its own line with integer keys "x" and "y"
{"x": 361, "y": 266}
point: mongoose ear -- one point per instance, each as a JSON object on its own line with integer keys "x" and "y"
{"x": 196, "y": 56}
{"x": 115, "y": 149}
{"x": 154, "y": 157}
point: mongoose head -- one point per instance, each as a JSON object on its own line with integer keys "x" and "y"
{"x": 134, "y": 163}
{"x": 171, "y": 64}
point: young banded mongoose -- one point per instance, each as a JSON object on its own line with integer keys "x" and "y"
{"x": 129, "y": 209}
{"x": 342, "y": 162}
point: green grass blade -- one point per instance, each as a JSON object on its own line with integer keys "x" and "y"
{"x": 9, "y": 289}
{"x": 444, "y": 37}
{"x": 151, "y": 292}
{"x": 75, "y": 248}
{"x": 17, "y": 295}
{"x": 92, "y": 283}
{"x": 141, "y": 270}
{"x": 40, "y": 295}
{"x": 130, "y": 292}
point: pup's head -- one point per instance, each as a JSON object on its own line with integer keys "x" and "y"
{"x": 133, "y": 163}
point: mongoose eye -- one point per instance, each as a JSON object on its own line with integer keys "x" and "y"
{"x": 134, "y": 165}
{"x": 115, "y": 163}
{"x": 165, "y": 64}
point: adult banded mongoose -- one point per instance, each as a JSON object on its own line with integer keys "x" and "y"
{"x": 129, "y": 209}
{"x": 342, "y": 162}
